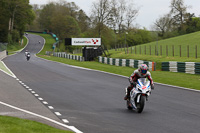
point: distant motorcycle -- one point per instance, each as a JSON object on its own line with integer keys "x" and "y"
{"x": 139, "y": 95}
{"x": 28, "y": 56}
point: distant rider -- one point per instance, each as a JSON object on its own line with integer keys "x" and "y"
{"x": 141, "y": 72}
{"x": 27, "y": 53}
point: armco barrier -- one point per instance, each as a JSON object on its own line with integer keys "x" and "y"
{"x": 185, "y": 67}
{"x": 64, "y": 55}
{"x": 126, "y": 62}
{"x": 3, "y": 54}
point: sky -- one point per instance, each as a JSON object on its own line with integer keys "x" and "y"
{"x": 149, "y": 10}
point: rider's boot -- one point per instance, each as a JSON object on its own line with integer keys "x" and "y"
{"x": 127, "y": 93}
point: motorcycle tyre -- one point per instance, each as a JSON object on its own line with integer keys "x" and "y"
{"x": 28, "y": 58}
{"x": 140, "y": 105}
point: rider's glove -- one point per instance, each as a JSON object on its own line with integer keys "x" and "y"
{"x": 152, "y": 86}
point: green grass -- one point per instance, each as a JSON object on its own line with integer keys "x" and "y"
{"x": 192, "y": 40}
{"x": 2, "y": 67}
{"x": 189, "y": 39}
{"x": 16, "y": 125}
{"x": 16, "y": 46}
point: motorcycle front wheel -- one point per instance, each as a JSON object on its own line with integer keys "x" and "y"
{"x": 140, "y": 105}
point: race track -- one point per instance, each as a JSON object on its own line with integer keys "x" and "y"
{"x": 93, "y": 101}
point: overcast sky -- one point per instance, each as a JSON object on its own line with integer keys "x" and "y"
{"x": 149, "y": 11}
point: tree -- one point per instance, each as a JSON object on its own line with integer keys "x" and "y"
{"x": 139, "y": 36}
{"x": 4, "y": 21}
{"x": 131, "y": 14}
{"x": 73, "y": 8}
{"x": 119, "y": 9}
{"x": 46, "y": 15}
{"x": 16, "y": 15}
{"x": 179, "y": 13}
{"x": 193, "y": 24}
{"x": 100, "y": 13}
{"x": 123, "y": 14}
{"x": 163, "y": 24}
{"x": 83, "y": 20}
{"x": 65, "y": 26}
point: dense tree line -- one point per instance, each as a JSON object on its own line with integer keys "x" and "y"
{"x": 112, "y": 20}
{"x": 109, "y": 19}
{"x": 15, "y": 15}
{"x": 178, "y": 21}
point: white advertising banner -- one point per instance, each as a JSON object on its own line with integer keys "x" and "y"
{"x": 86, "y": 41}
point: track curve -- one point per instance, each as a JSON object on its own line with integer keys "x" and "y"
{"x": 93, "y": 101}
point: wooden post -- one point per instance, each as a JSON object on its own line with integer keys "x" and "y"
{"x": 188, "y": 51}
{"x": 125, "y": 49}
{"x": 118, "y": 47}
{"x": 173, "y": 50}
{"x": 180, "y": 50}
{"x": 131, "y": 49}
{"x": 135, "y": 49}
{"x": 140, "y": 49}
{"x": 196, "y": 51}
{"x": 166, "y": 50}
{"x": 145, "y": 49}
{"x": 155, "y": 49}
{"x": 161, "y": 50}
{"x": 150, "y": 49}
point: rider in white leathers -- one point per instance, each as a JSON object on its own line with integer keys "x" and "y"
{"x": 141, "y": 72}
{"x": 27, "y": 53}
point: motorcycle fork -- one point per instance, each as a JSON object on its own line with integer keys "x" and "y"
{"x": 137, "y": 98}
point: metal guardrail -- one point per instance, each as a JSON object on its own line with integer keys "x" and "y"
{"x": 3, "y": 46}
{"x": 185, "y": 67}
{"x": 65, "y": 55}
{"x": 127, "y": 62}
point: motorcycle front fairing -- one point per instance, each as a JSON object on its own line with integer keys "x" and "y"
{"x": 142, "y": 88}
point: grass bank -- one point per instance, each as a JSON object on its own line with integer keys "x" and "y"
{"x": 172, "y": 49}
{"x": 16, "y": 46}
{"x": 3, "y": 67}
{"x": 16, "y": 125}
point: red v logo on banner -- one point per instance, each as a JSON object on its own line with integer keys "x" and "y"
{"x": 95, "y": 41}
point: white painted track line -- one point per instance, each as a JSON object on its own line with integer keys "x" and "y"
{"x": 58, "y": 113}
{"x": 43, "y": 117}
{"x": 50, "y": 107}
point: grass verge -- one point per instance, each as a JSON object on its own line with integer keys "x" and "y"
{"x": 16, "y": 125}
{"x": 16, "y": 46}
{"x": 172, "y": 49}
{"x": 2, "y": 67}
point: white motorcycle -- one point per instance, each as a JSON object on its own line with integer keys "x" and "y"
{"x": 139, "y": 95}
{"x": 28, "y": 56}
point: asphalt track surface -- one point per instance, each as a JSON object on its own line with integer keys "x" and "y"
{"x": 93, "y": 101}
